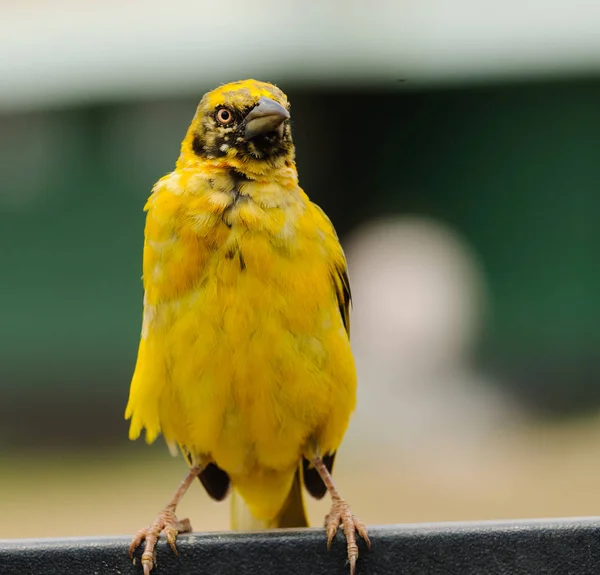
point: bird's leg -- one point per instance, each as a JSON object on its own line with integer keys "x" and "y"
{"x": 166, "y": 522}
{"x": 341, "y": 514}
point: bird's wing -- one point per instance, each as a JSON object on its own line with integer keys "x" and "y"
{"x": 175, "y": 261}
{"x": 337, "y": 264}
{"x": 344, "y": 297}
{"x": 341, "y": 286}
{"x": 175, "y": 253}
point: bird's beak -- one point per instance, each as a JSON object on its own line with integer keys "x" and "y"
{"x": 267, "y": 116}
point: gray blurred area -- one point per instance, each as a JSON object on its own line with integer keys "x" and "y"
{"x": 455, "y": 152}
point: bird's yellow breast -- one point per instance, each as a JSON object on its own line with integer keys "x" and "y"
{"x": 244, "y": 357}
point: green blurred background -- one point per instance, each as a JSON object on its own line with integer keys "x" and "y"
{"x": 480, "y": 131}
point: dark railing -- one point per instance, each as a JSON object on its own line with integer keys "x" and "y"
{"x": 534, "y": 547}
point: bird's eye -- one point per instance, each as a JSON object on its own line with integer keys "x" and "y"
{"x": 224, "y": 116}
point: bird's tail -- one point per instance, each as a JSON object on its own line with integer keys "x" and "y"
{"x": 292, "y": 512}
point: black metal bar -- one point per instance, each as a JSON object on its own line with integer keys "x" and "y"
{"x": 533, "y": 547}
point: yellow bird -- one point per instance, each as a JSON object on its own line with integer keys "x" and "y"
{"x": 244, "y": 362}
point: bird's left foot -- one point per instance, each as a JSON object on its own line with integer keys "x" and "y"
{"x": 341, "y": 515}
{"x": 166, "y": 523}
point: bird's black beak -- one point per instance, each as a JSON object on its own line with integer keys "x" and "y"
{"x": 267, "y": 116}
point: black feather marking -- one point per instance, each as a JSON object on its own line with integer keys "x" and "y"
{"x": 215, "y": 481}
{"x": 344, "y": 296}
{"x": 213, "y": 478}
{"x": 235, "y": 251}
{"x": 312, "y": 480}
{"x": 239, "y": 177}
{"x": 198, "y": 146}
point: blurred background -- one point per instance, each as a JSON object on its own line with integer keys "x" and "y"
{"x": 456, "y": 149}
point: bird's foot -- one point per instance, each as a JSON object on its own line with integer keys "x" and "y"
{"x": 167, "y": 523}
{"x": 341, "y": 515}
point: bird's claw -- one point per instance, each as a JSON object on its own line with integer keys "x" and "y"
{"x": 166, "y": 523}
{"x": 341, "y": 514}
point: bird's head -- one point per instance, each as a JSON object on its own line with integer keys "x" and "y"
{"x": 243, "y": 125}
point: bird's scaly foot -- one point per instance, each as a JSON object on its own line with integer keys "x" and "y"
{"x": 167, "y": 523}
{"x": 341, "y": 514}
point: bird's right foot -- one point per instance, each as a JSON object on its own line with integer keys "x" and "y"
{"x": 167, "y": 523}
{"x": 341, "y": 516}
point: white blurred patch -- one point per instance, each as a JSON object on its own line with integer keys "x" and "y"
{"x": 418, "y": 295}
{"x": 417, "y": 292}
